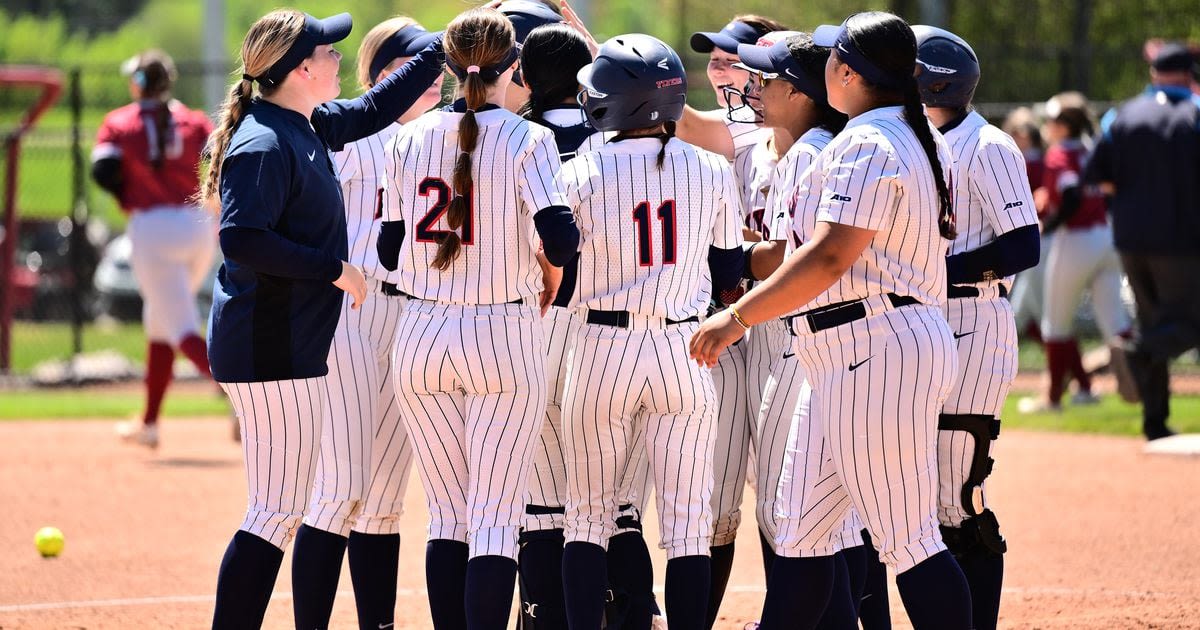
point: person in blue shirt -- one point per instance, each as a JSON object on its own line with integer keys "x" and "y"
{"x": 278, "y": 295}
{"x": 1147, "y": 161}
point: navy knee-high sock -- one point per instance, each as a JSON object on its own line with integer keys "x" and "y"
{"x": 245, "y": 582}
{"x": 489, "y": 592}
{"x": 316, "y": 566}
{"x": 874, "y": 611}
{"x": 722, "y": 566}
{"x": 798, "y": 593}
{"x": 446, "y": 579}
{"x": 985, "y": 575}
{"x": 856, "y": 567}
{"x": 540, "y": 566}
{"x": 935, "y": 594}
{"x": 631, "y": 573}
{"x": 687, "y": 587}
{"x": 840, "y": 612}
{"x": 374, "y": 562}
{"x": 585, "y": 581}
{"x": 768, "y": 554}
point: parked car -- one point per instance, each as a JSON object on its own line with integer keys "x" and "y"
{"x": 117, "y": 293}
{"x": 43, "y": 277}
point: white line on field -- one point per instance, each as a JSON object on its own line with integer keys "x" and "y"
{"x": 420, "y": 592}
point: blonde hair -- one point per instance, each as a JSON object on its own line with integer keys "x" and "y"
{"x": 266, "y": 43}
{"x": 371, "y": 43}
{"x": 478, "y": 37}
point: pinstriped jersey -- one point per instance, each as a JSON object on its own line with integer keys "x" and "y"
{"x": 875, "y": 176}
{"x": 991, "y": 189}
{"x": 745, "y": 134}
{"x": 645, "y": 232}
{"x": 514, "y": 169}
{"x": 781, "y": 196}
{"x": 753, "y": 169}
{"x": 362, "y": 169}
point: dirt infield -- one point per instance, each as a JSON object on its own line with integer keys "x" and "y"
{"x": 1098, "y": 533}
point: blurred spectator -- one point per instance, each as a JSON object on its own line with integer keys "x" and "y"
{"x": 1149, "y": 161}
{"x": 1028, "y": 285}
{"x": 147, "y": 155}
{"x": 1081, "y": 255}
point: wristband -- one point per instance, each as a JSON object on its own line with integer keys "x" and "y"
{"x": 737, "y": 317}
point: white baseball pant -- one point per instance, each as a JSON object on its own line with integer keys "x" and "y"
{"x": 172, "y": 252}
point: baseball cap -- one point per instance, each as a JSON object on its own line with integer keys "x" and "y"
{"x": 406, "y": 42}
{"x": 727, "y": 39}
{"x": 527, "y": 15}
{"x": 1173, "y": 57}
{"x": 772, "y": 56}
{"x": 316, "y": 32}
{"x": 838, "y": 38}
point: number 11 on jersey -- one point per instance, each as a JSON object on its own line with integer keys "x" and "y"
{"x": 666, "y": 216}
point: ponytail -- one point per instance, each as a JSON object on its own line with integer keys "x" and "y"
{"x": 450, "y": 243}
{"x": 162, "y": 127}
{"x": 914, "y": 115}
{"x": 668, "y": 132}
{"x": 231, "y": 114}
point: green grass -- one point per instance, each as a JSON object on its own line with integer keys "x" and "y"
{"x": 50, "y": 404}
{"x": 35, "y": 342}
{"x": 1112, "y": 416}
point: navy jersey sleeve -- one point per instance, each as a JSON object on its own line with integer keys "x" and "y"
{"x": 254, "y": 190}
{"x": 343, "y": 121}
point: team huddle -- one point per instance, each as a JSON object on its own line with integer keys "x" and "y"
{"x": 567, "y": 293}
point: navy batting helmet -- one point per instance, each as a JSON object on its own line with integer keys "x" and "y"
{"x": 636, "y": 81}
{"x": 947, "y": 68}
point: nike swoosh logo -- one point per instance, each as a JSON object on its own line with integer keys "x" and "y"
{"x": 855, "y": 366}
{"x": 788, "y": 355}
{"x": 842, "y": 48}
{"x": 382, "y": 626}
{"x": 958, "y": 336}
{"x": 788, "y": 71}
{"x": 312, "y": 155}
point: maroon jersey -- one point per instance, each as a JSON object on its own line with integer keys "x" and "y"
{"x": 1063, "y": 169}
{"x": 130, "y": 134}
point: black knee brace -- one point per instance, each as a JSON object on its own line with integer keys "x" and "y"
{"x": 534, "y": 615}
{"x": 977, "y": 536}
{"x": 984, "y": 429}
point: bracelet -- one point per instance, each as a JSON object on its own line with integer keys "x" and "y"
{"x": 737, "y": 317}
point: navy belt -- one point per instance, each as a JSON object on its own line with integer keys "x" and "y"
{"x": 391, "y": 290}
{"x": 840, "y": 313}
{"x": 972, "y": 292}
{"x": 620, "y": 319}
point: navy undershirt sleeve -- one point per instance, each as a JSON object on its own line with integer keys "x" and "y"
{"x": 269, "y": 253}
{"x": 560, "y": 236}
{"x": 343, "y": 121}
{"x": 391, "y": 238}
{"x": 1008, "y": 254}
{"x": 726, "y": 266}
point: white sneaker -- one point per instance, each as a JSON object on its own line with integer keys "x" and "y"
{"x": 136, "y": 432}
{"x": 1031, "y": 404}
{"x": 1084, "y": 399}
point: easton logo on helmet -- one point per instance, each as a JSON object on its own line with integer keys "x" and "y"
{"x": 937, "y": 69}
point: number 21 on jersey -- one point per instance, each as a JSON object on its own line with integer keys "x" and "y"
{"x": 666, "y": 219}
{"x": 442, "y": 194}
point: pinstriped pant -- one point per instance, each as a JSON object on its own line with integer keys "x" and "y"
{"x": 878, "y": 386}
{"x": 620, "y": 383}
{"x": 987, "y": 362}
{"x": 281, "y": 428}
{"x": 471, "y": 383}
{"x": 731, "y": 447}
{"x": 366, "y": 457}
{"x": 548, "y": 475}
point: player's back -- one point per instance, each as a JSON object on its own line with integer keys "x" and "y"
{"x": 645, "y": 230}
{"x": 362, "y": 169}
{"x": 513, "y": 169}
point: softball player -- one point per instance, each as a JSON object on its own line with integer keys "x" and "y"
{"x": 469, "y": 361}
{"x": 550, "y": 58}
{"x": 651, "y": 208}
{"x": 1081, "y": 255}
{"x": 525, "y": 16}
{"x": 716, "y": 130}
{"x": 278, "y": 295}
{"x": 997, "y": 237}
{"x": 146, "y": 155}
{"x": 871, "y": 276}
{"x": 365, "y": 458}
